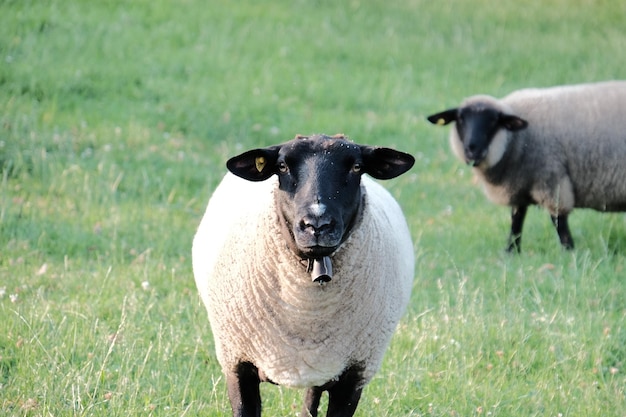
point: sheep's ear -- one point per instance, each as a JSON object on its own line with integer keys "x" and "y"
{"x": 385, "y": 163}
{"x": 255, "y": 165}
{"x": 444, "y": 117}
{"x": 512, "y": 123}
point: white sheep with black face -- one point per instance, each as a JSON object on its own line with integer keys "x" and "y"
{"x": 305, "y": 266}
{"x": 560, "y": 148}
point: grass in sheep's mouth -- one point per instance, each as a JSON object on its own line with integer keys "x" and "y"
{"x": 116, "y": 119}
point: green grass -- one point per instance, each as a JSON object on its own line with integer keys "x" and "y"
{"x": 115, "y": 122}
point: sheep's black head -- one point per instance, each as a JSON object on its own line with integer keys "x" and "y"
{"x": 478, "y": 122}
{"x": 319, "y": 185}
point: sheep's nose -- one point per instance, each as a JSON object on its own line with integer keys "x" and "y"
{"x": 315, "y": 219}
{"x": 472, "y": 152}
{"x": 315, "y": 225}
{"x": 471, "y": 149}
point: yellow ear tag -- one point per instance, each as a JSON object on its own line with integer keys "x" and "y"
{"x": 260, "y": 163}
{"x": 441, "y": 121}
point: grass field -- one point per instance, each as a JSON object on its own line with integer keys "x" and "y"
{"x": 116, "y": 119}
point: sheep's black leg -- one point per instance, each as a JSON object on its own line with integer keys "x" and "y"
{"x": 562, "y": 228}
{"x": 312, "y": 402}
{"x": 344, "y": 395}
{"x": 518, "y": 214}
{"x": 243, "y": 390}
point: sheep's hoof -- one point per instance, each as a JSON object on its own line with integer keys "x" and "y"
{"x": 514, "y": 248}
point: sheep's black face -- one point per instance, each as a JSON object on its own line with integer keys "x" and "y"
{"x": 319, "y": 194}
{"x": 477, "y": 124}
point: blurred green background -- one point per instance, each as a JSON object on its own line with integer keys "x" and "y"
{"x": 116, "y": 119}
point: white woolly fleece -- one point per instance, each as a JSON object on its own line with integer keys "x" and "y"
{"x": 263, "y": 306}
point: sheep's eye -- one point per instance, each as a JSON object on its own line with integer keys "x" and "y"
{"x": 282, "y": 167}
{"x": 356, "y": 167}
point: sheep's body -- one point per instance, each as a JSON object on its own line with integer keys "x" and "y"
{"x": 263, "y": 259}
{"x": 263, "y": 306}
{"x": 571, "y": 154}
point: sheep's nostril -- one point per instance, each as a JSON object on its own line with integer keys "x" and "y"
{"x": 306, "y": 226}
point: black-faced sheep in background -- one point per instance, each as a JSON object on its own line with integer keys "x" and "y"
{"x": 560, "y": 148}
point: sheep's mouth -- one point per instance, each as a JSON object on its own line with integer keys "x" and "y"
{"x": 316, "y": 251}
{"x": 474, "y": 160}
{"x": 316, "y": 243}
{"x": 474, "y": 156}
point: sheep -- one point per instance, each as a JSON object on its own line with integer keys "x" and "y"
{"x": 559, "y": 148}
{"x": 305, "y": 266}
